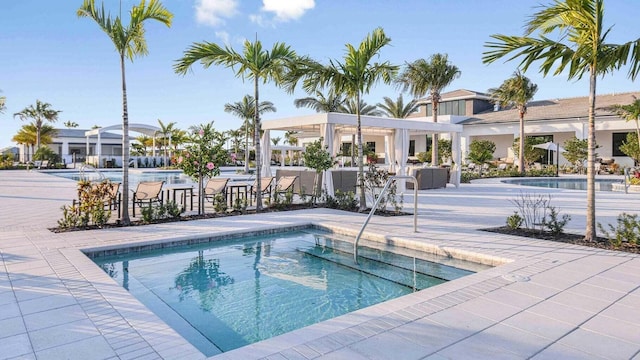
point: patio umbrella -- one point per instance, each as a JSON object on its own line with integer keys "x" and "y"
{"x": 551, "y": 146}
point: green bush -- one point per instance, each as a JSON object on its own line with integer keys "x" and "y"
{"x": 342, "y": 201}
{"x": 627, "y": 230}
{"x": 514, "y": 221}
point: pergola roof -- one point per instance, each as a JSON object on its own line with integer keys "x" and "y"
{"x": 148, "y": 130}
{"x": 309, "y": 125}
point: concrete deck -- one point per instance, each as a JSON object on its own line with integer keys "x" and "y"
{"x": 546, "y": 301}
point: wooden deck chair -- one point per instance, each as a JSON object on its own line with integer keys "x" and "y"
{"x": 285, "y": 184}
{"x": 214, "y": 187}
{"x": 266, "y": 187}
{"x": 147, "y": 192}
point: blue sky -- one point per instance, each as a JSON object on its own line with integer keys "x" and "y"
{"x": 50, "y": 54}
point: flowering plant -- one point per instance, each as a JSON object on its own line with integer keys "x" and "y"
{"x": 201, "y": 158}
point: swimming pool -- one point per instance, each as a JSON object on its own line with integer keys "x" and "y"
{"x": 228, "y": 294}
{"x": 169, "y": 177}
{"x": 560, "y": 183}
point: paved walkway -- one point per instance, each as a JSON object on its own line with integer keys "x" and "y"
{"x": 544, "y": 300}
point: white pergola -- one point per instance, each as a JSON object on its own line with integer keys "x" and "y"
{"x": 148, "y": 130}
{"x": 332, "y": 126}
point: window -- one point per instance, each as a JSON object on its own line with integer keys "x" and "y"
{"x": 412, "y": 147}
{"x": 346, "y": 149}
{"x": 618, "y": 140}
{"x": 428, "y": 142}
{"x": 456, "y": 107}
{"x": 371, "y": 145}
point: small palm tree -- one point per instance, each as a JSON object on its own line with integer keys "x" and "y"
{"x": 290, "y": 138}
{"x": 321, "y": 103}
{"x": 39, "y": 113}
{"x": 234, "y": 136}
{"x": 422, "y": 76}
{"x": 582, "y": 48}
{"x": 353, "y": 77}
{"x": 364, "y": 109}
{"x": 245, "y": 110}
{"x": 71, "y": 124}
{"x": 167, "y": 131}
{"x": 129, "y": 42}
{"x": 629, "y": 112}
{"x": 3, "y": 104}
{"x": 254, "y": 63}
{"x": 516, "y": 91}
{"x": 398, "y": 109}
{"x": 27, "y": 135}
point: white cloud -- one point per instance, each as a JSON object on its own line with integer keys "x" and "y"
{"x": 212, "y": 12}
{"x": 286, "y": 10}
{"x": 224, "y": 36}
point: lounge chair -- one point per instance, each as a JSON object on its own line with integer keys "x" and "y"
{"x": 214, "y": 187}
{"x": 147, "y": 192}
{"x": 113, "y": 198}
{"x": 285, "y": 184}
{"x": 266, "y": 187}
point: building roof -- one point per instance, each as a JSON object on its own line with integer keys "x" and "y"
{"x": 80, "y": 133}
{"x": 557, "y": 109}
{"x": 460, "y": 94}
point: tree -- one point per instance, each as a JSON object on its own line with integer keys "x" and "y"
{"x": 203, "y": 157}
{"x": 576, "y": 150}
{"x": 235, "y": 137}
{"x": 71, "y": 124}
{"x": 629, "y": 112}
{"x": 631, "y": 147}
{"x": 422, "y": 76}
{"x": 350, "y": 107}
{"x": 27, "y": 135}
{"x": 516, "y": 91}
{"x": 245, "y": 110}
{"x": 398, "y": 109}
{"x": 353, "y": 77}
{"x": 129, "y": 42}
{"x": 481, "y": 151}
{"x": 167, "y": 132}
{"x": 3, "y": 104}
{"x": 319, "y": 159}
{"x": 320, "y": 103}
{"x": 39, "y": 113}
{"x": 531, "y": 154}
{"x": 254, "y": 63}
{"x": 582, "y": 48}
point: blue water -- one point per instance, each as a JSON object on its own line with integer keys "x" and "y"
{"x": 225, "y": 295}
{"x": 169, "y": 177}
{"x": 556, "y": 183}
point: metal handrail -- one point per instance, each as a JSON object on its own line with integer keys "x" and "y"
{"x": 377, "y": 202}
{"x": 89, "y": 167}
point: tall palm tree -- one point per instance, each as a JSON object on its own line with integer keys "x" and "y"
{"x": 178, "y": 137}
{"x": 145, "y": 141}
{"x": 3, "y": 103}
{"x": 39, "y": 113}
{"x": 254, "y": 63}
{"x": 581, "y": 48}
{"x": 516, "y": 91}
{"x": 422, "y": 76}
{"x": 349, "y": 107}
{"x": 129, "y": 42}
{"x": 234, "y": 136}
{"x": 321, "y": 103}
{"x": 398, "y": 109}
{"x": 629, "y": 112}
{"x": 245, "y": 109}
{"x": 167, "y": 131}
{"x": 353, "y": 77}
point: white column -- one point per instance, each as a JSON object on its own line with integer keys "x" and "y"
{"x": 265, "y": 154}
{"x": 456, "y": 151}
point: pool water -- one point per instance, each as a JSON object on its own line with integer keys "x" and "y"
{"x": 556, "y": 183}
{"x": 228, "y": 294}
{"x": 169, "y": 177}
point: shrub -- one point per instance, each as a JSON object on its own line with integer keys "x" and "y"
{"x": 536, "y": 213}
{"x": 627, "y": 230}
{"x": 553, "y": 224}
{"x": 342, "y": 201}
{"x": 514, "y": 221}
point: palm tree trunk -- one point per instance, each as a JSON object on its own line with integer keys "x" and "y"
{"x": 434, "y": 138}
{"x": 38, "y": 130}
{"x": 256, "y": 142}
{"x": 125, "y": 147}
{"x": 590, "y": 231}
{"x": 521, "y": 152}
{"x": 246, "y": 148}
{"x": 363, "y": 199}
{"x": 637, "y": 136}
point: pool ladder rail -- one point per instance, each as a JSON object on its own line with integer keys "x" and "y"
{"x": 87, "y": 167}
{"x": 377, "y": 202}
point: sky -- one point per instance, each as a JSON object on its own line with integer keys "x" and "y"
{"x": 49, "y": 54}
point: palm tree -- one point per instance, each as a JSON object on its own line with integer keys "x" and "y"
{"x": 350, "y": 107}
{"x": 422, "y": 76}
{"x": 245, "y": 110}
{"x": 290, "y": 138}
{"x": 3, "y": 102}
{"x": 398, "y": 109}
{"x": 353, "y": 77}
{"x": 254, "y": 63}
{"x": 167, "y": 132}
{"x": 129, "y": 42}
{"x": 582, "y": 48}
{"x": 516, "y": 91}
{"x": 629, "y": 112}
{"x": 27, "y": 135}
{"x": 71, "y": 124}
{"x": 178, "y": 137}
{"x": 321, "y": 103}
{"x": 39, "y": 113}
{"x": 234, "y": 136}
